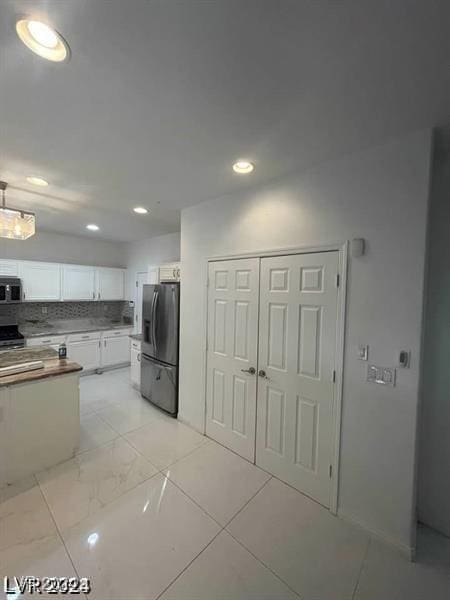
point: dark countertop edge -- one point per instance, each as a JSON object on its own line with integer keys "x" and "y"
{"x": 55, "y": 369}
{"x": 136, "y": 336}
{"x": 72, "y": 331}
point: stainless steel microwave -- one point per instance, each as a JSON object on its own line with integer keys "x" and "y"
{"x": 10, "y": 290}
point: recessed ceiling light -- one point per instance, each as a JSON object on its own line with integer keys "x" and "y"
{"x": 43, "y": 40}
{"x": 37, "y": 181}
{"x": 92, "y": 227}
{"x": 140, "y": 210}
{"x": 243, "y": 167}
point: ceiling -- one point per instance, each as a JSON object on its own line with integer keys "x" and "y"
{"x": 160, "y": 97}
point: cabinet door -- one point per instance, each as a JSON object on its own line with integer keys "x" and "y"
{"x": 9, "y": 268}
{"x": 153, "y": 275}
{"x": 40, "y": 281}
{"x": 115, "y": 351}
{"x": 86, "y": 354}
{"x": 53, "y": 341}
{"x": 135, "y": 370}
{"x": 78, "y": 282}
{"x": 110, "y": 284}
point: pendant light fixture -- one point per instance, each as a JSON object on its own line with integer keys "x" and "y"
{"x": 15, "y": 224}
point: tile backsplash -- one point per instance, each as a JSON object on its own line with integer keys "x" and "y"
{"x": 54, "y": 311}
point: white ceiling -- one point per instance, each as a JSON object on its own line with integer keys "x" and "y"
{"x": 161, "y": 96}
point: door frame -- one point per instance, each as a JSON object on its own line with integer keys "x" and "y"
{"x": 136, "y": 287}
{"x": 342, "y": 248}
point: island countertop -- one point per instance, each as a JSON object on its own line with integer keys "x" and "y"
{"x": 53, "y": 366}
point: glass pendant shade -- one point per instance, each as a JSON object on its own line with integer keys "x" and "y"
{"x": 15, "y": 224}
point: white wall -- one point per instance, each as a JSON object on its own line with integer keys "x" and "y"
{"x": 65, "y": 249}
{"x": 380, "y": 195}
{"x": 434, "y": 472}
{"x": 151, "y": 251}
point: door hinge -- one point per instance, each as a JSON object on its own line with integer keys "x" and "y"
{"x": 331, "y": 471}
{"x": 334, "y": 376}
{"x": 207, "y": 283}
{"x": 137, "y": 283}
{"x": 207, "y": 345}
{"x": 338, "y": 280}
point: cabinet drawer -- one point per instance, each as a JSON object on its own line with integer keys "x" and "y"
{"x": 111, "y": 333}
{"x": 83, "y": 337}
{"x": 50, "y": 340}
{"x": 136, "y": 345}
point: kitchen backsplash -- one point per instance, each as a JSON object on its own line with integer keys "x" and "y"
{"x": 54, "y": 311}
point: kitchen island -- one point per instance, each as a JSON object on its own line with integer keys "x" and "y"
{"x": 39, "y": 413}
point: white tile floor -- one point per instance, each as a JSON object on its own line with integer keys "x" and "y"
{"x": 151, "y": 509}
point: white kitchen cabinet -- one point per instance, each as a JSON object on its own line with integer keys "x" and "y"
{"x": 135, "y": 369}
{"x": 153, "y": 275}
{"x": 115, "y": 348}
{"x": 78, "y": 282}
{"x": 110, "y": 284}
{"x": 86, "y": 353}
{"x": 85, "y": 349}
{"x": 40, "y": 281}
{"x": 53, "y": 341}
{"x": 170, "y": 272}
{"x": 9, "y": 268}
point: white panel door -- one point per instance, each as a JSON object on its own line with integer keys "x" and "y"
{"x": 232, "y": 350}
{"x": 110, "y": 284}
{"x": 78, "y": 282}
{"x": 40, "y": 281}
{"x": 297, "y": 341}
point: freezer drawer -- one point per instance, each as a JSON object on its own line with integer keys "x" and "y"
{"x": 159, "y": 384}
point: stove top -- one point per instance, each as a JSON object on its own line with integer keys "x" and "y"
{"x": 10, "y": 337}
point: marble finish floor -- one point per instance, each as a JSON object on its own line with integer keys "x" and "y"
{"x": 151, "y": 509}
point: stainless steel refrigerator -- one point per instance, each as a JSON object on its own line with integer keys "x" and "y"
{"x": 159, "y": 351}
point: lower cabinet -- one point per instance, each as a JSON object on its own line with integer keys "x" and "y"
{"x": 53, "y": 341}
{"x": 92, "y": 350}
{"x": 135, "y": 370}
{"x": 115, "y": 350}
{"x": 86, "y": 354}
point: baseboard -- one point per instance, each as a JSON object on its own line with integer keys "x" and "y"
{"x": 408, "y": 551}
{"x": 189, "y": 424}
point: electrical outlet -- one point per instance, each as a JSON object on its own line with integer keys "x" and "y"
{"x": 44, "y": 310}
{"x": 381, "y": 375}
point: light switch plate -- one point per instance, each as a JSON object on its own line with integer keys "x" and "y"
{"x": 363, "y": 352}
{"x": 381, "y": 375}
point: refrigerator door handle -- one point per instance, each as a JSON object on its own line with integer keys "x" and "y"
{"x": 154, "y": 304}
{"x": 152, "y": 325}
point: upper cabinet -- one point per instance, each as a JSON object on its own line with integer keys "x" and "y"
{"x": 169, "y": 272}
{"x": 110, "y": 284}
{"x": 153, "y": 275}
{"x": 78, "y": 282}
{"x": 9, "y": 268}
{"x": 40, "y": 281}
{"x": 52, "y": 282}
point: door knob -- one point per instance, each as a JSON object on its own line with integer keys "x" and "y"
{"x": 262, "y": 374}
{"x": 251, "y": 370}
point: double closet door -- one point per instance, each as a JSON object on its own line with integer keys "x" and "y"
{"x": 271, "y": 364}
